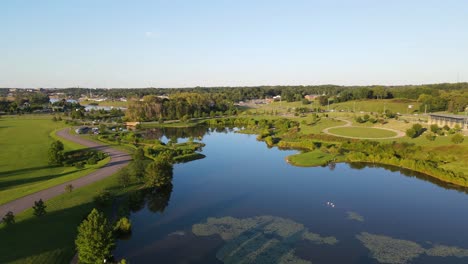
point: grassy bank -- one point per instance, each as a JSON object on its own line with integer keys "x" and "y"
{"x": 50, "y": 238}
{"x": 24, "y": 165}
{"x": 310, "y": 159}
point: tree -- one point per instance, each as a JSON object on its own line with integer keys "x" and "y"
{"x": 124, "y": 178}
{"x": 159, "y": 172}
{"x": 434, "y": 128}
{"x": 458, "y": 138}
{"x": 56, "y": 156}
{"x": 411, "y": 133}
{"x": 95, "y": 240}
{"x": 137, "y": 168}
{"x": 69, "y": 188}
{"x": 9, "y": 218}
{"x": 39, "y": 208}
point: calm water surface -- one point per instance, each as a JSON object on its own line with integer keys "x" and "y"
{"x": 244, "y": 204}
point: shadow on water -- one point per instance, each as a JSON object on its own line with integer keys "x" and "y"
{"x": 409, "y": 173}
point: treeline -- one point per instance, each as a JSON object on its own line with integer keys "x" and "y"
{"x": 24, "y": 102}
{"x": 237, "y": 94}
{"x": 180, "y": 106}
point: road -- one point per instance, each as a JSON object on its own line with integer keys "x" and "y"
{"x": 118, "y": 160}
{"x": 399, "y": 133}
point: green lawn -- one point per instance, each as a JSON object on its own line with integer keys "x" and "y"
{"x": 362, "y": 132}
{"x": 374, "y": 105}
{"x": 50, "y": 238}
{"x": 310, "y": 159}
{"x": 24, "y": 168}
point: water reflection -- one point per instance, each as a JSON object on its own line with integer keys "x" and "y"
{"x": 409, "y": 173}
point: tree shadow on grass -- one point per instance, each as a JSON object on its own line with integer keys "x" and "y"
{"x": 25, "y": 170}
{"x": 6, "y": 184}
{"x": 54, "y": 232}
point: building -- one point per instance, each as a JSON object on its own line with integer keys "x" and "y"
{"x": 449, "y": 120}
{"x": 311, "y": 97}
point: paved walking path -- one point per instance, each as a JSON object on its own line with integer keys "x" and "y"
{"x": 119, "y": 159}
{"x": 399, "y": 133}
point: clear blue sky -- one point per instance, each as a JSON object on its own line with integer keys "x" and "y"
{"x": 110, "y": 43}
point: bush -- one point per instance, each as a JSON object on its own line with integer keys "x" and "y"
{"x": 9, "y": 218}
{"x": 411, "y": 133}
{"x": 430, "y": 136}
{"x": 69, "y": 188}
{"x": 92, "y": 161}
{"x": 434, "y": 128}
{"x": 104, "y": 198}
{"x": 123, "y": 227}
{"x": 458, "y": 138}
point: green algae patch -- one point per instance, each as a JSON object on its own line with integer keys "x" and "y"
{"x": 261, "y": 239}
{"x": 386, "y": 249}
{"x": 446, "y": 251}
{"x": 355, "y": 216}
{"x": 389, "y": 250}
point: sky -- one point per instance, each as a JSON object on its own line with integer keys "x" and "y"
{"x": 172, "y": 43}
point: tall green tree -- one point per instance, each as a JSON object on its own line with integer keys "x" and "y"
{"x": 95, "y": 240}
{"x": 39, "y": 208}
{"x": 56, "y": 156}
{"x": 159, "y": 172}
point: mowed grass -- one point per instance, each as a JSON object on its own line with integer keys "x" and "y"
{"x": 24, "y": 169}
{"x": 377, "y": 106}
{"x": 310, "y": 159}
{"x": 362, "y": 132}
{"x": 50, "y": 238}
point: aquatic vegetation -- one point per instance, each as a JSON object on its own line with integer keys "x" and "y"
{"x": 386, "y": 249}
{"x": 317, "y": 239}
{"x": 446, "y": 251}
{"x": 389, "y": 250}
{"x": 291, "y": 258}
{"x": 355, "y": 216}
{"x": 261, "y": 239}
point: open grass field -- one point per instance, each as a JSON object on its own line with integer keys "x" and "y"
{"x": 50, "y": 238}
{"x": 310, "y": 159}
{"x": 362, "y": 132}
{"x": 377, "y": 106}
{"x": 24, "y": 169}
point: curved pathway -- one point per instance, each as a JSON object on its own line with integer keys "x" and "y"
{"x": 399, "y": 133}
{"x": 118, "y": 160}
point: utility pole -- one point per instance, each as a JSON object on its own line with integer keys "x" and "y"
{"x": 425, "y": 109}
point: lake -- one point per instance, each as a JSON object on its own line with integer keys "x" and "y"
{"x": 244, "y": 204}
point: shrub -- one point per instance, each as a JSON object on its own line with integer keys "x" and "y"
{"x": 458, "y": 138}
{"x": 123, "y": 227}
{"x": 69, "y": 188}
{"x": 411, "y": 133}
{"x": 9, "y": 218}
{"x": 103, "y": 198}
{"x": 92, "y": 161}
{"x": 434, "y": 128}
{"x": 430, "y": 136}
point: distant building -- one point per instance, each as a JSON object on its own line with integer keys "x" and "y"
{"x": 311, "y": 97}
{"x": 449, "y": 120}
